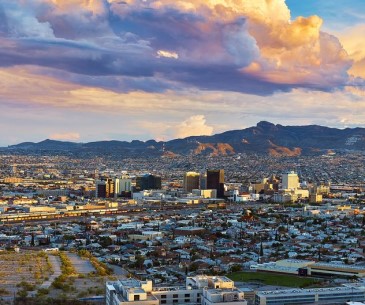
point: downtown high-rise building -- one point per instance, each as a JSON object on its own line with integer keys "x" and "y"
{"x": 191, "y": 181}
{"x": 104, "y": 188}
{"x": 123, "y": 186}
{"x": 215, "y": 180}
{"x": 289, "y": 181}
{"x": 148, "y": 182}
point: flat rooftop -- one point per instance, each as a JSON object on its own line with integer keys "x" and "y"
{"x": 333, "y": 290}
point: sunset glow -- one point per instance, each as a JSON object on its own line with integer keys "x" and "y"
{"x": 85, "y": 70}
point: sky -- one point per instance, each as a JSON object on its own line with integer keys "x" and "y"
{"x": 87, "y": 70}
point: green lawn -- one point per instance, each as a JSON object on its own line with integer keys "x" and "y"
{"x": 273, "y": 279}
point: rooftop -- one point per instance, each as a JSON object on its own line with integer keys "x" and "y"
{"x": 333, "y": 290}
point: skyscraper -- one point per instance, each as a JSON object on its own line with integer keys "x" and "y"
{"x": 290, "y": 181}
{"x": 122, "y": 186}
{"x": 148, "y": 182}
{"x": 191, "y": 181}
{"x": 104, "y": 188}
{"x": 215, "y": 180}
{"x": 203, "y": 181}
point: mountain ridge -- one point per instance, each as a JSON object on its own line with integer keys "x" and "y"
{"x": 264, "y": 138}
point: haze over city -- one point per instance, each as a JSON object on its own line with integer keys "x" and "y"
{"x": 101, "y": 69}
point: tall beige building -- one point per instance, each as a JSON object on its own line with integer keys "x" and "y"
{"x": 191, "y": 181}
{"x": 290, "y": 181}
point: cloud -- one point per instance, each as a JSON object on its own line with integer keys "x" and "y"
{"x": 66, "y": 136}
{"x": 242, "y": 46}
{"x": 353, "y": 41}
{"x": 40, "y": 91}
{"x": 19, "y": 20}
{"x": 193, "y": 126}
{"x": 46, "y": 105}
{"x": 167, "y": 54}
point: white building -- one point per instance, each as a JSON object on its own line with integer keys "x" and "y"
{"x": 123, "y": 185}
{"x": 290, "y": 181}
{"x": 130, "y": 291}
{"x": 290, "y": 190}
{"x": 334, "y": 295}
{"x": 222, "y": 297}
{"x": 204, "y": 290}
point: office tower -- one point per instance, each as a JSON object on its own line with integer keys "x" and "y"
{"x": 116, "y": 187}
{"x": 203, "y": 181}
{"x": 191, "y": 181}
{"x": 104, "y": 188}
{"x": 122, "y": 186}
{"x": 290, "y": 181}
{"x": 110, "y": 188}
{"x": 148, "y": 182}
{"x": 215, "y": 180}
{"x": 125, "y": 184}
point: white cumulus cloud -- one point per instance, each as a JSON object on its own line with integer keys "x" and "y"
{"x": 193, "y": 126}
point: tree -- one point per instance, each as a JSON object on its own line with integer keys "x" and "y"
{"x": 193, "y": 267}
{"x": 105, "y": 241}
{"x": 261, "y": 250}
{"x": 22, "y": 293}
{"x": 236, "y": 268}
{"x": 139, "y": 261}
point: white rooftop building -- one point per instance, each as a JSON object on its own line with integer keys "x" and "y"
{"x": 199, "y": 290}
{"x": 332, "y": 296}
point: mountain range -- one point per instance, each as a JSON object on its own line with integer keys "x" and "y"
{"x": 264, "y": 138}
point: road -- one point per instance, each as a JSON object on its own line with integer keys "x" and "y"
{"x": 56, "y": 265}
{"x": 82, "y": 266}
{"x": 120, "y": 272}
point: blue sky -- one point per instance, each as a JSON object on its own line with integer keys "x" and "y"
{"x": 336, "y": 14}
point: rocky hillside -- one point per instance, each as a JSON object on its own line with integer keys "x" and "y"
{"x": 264, "y": 138}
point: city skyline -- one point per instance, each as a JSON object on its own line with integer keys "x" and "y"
{"x": 101, "y": 70}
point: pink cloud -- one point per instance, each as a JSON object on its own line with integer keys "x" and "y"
{"x": 249, "y": 46}
{"x": 66, "y": 136}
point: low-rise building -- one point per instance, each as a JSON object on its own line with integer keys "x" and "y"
{"x": 204, "y": 290}
{"x": 334, "y": 295}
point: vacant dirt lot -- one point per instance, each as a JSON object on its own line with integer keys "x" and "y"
{"x": 37, "y": 271}
{"x": 32, "y": 267}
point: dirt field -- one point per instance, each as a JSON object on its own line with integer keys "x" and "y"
{"x": 32, "y": 267}
{"x": 36, "y": 271}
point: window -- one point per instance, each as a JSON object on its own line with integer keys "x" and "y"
{"x": 163, "y": 296}
{"x": 136, "y": 297}
{"x": 175, "y": 296}
{"x": 163, "y": 301}
{"x": 187, "y": 295}
{"x": 187, "y": 300}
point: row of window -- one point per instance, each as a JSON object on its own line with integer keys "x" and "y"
{"x": 175, "y": 296}
{"x": 176, "y": 301}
